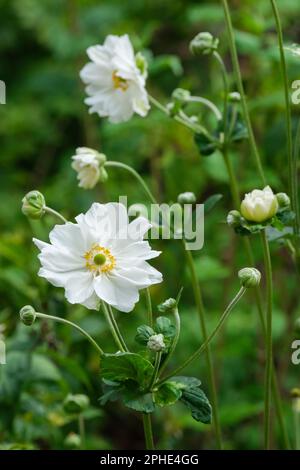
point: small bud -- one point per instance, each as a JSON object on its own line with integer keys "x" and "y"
{"x": 142, "y": 64}
{"x": 27, "y": 315}
{"x": 186, "y": 198}
{"x": 179, "y": 94}
{"x": 156, "y": 343}
{"x": 75, "y": 403}
{"x": 249, "y": 277}
{"x": 234, "y": 97}
{"x": 283, "y": 200}
{"x": 204, "y": 43}
{"x": 173, "y": 108}
{"x": 103, "y": 176}
{"x": 234, "y": 218}
{"x": 167, "y": 305}
{"x": 89, "y": 166}
{"x": 73, "y": 441}
{"x": 33, "y": 205}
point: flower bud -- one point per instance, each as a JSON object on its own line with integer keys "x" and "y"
{"x": 33, "y": 205}
{"x": 249, "y": 277}
{"x": 27, "y": 315}
{"x": 89, "y": 165}
{"x": 103, "y": 176}
{"x": 234, "y": 218}
{"x": 204, "y": 43}
{"x": 259, "y": 205}
{"x": 156, "y": 343}
{"x": 234, "y": 97}
{"x": 73, "y": 441}
{"x": 186, "y": 198}
{"x": 179, "y": 94}
{"x": 167, "y": 305}
{"x": 283, "y": 200}
{"x": 142, "y": 64}
{"x": 75, "y": 403}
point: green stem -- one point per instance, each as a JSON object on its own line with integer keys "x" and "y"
{"x": 116, "y": 327}
{"x": 232, "y": 179}
{"x": 209, "y": 360}
{"x": 175, "y": 339}
{"x": 67, "y": 322}
{"x": 292, "y": 171}
{"x": 135, "y": 174}
{"x": 205, "y": 345}
{"x": 112, "y": 327}
{"x": 297, "y": 426}
{"x": 269, "y": 359}
{"x": 48, "y": 210}
{"x": 81, "y": 428}
{"x": 148, "y": 431}
{"x": 207, "y": 103}
{"x": 239, "y": 82}
{"x": 149, "y": 307}
{"x": 220, "y": 61}
{"x": 156, "y": 370}
{"x": 295, "y": 174}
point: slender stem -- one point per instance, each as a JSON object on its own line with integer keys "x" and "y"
{"x": 268, "y": 372}
{"x": 232, "y": 179}
{"x": 295, "y": 174}
{"x": 148, "y": 431}
{"x": 292, "y": 171}
{"x": 219, "y": 59}
{"x": 209, "y": 361}
{"x": 240, "y": 87}
{"x": 149, "y": 307}
{"x": 296, "y": 424}
{"x": 81, "y": 428}
{"x": 116, "y": 327}
{"x": 48, "y": 210}
{"x": 175, "y": 339}
{"x": 207, "y": 103}
{"x": 156, "y": 370}
{"x": 205, "y": 345}
{"x": 135, "y": 174}
{"x": 112, "y": 327}
{"x": 67, "y": 322}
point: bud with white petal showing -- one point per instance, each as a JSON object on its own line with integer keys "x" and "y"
{"x": 33, "y": 205}
{"x": 156, "y": 343}
{"x": 168, "y": 305}
{"x": 27, "y": 315}
{"x": 234, "y": 218}
{"x": 283, "y": 200}
{"x": 204, "y": 43}
{"x": 234, "y": 97}
{"x": 89, "y": 165}
{"x": 186, "y": 198}
{"x": 142, "y": 64}
{"x": 259, "y": 205}
{"x": 249, "y": 277}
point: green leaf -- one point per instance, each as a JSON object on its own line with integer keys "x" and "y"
{"x": 144, "y": 332}
{"x": 211, "y": 201}
{"x": 167, "y": 394}
{"x": 205, "y": 146}
{"x": 43, "y": 369}
{"x": 239, "y": 131}
{"x": 121, "y": 367}
{"x": 142, "y": 402}
{"x": 111, "y": 391}
{"x": 186, "y": 382}
{"x": 164, "y": 326}
{"x": 195, "y": 399}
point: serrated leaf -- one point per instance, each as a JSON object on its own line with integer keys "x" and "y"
{"x": 164, "y": 326}
{"x": 196, "y": 400}
{"x": 138, "y": 401}
{"x": 167, "y": 394}
{"x": 121, "y": 367}
{"x": 186, "y": 382}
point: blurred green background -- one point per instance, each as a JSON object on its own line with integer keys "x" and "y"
{"x": 42, "y": 49}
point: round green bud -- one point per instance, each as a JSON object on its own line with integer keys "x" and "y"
{"x": 234, "y": 97}
{"x": 73, "y": 441}
{"x": 249, "y": 277}
{"x": 179, "y": 94}
{"x": 103, "y": 175}
{"x": 234, "y": 218}
{"x": 167, "y": 305}
{"x": 74, "y": 404}
{"x": 27, "y": 315}
{"x": 142, "y": 64}
{"x": 33, "y": 205}
{"x": 283, "y": 200}
{"x": 204, "y": 43}
{"x": 186, "y": 198}
{"x": 156, "y": 343}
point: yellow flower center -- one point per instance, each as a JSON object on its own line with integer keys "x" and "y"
{"x": 119, "y": 82}
{"x": 99, "y": 260}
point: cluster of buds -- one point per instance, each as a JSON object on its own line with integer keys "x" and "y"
{"x": 156, "y": 343}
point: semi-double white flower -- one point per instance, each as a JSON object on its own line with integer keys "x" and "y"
{"x": 115, "y": 80}
{"x": 87, "y": 163}
{"x": 100, "y": 257}
{"x": 259, "y": 205}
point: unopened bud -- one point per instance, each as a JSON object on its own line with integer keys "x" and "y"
{"x": 75, "y": 403}
{"x": 234, "y": 218}
{"x": 156, "y": 343}
{"x": 179, "y": 94}
{"x": 73, "y": 441}
{"x": 186, "y": 198}
{"x": 249, "y": 277}
{"x": 27, "y": 315}
{"x": 283, "y": 200}
{"x": 234, "y": 97}
{"x": 167, "y": 305}
{"x": 204, "y": 43}
{"x": 33, "y": 205}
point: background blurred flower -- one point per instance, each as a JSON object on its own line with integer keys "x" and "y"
{"x": 115, "y": 81}
{"x": 88, "y": 164}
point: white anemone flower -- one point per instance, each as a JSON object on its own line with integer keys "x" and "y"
{"x": 87, "y": 164}
{"x": 100, "y": 257}
{"x": 259, "y": 205}
{"x": 115, "y": 80}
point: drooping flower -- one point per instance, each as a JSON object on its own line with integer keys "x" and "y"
{"x": 88, "y": 163}
{"x": 115, "y": 80}
{"x": 259, "y": 205}
{"x": 100, "y": 257}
